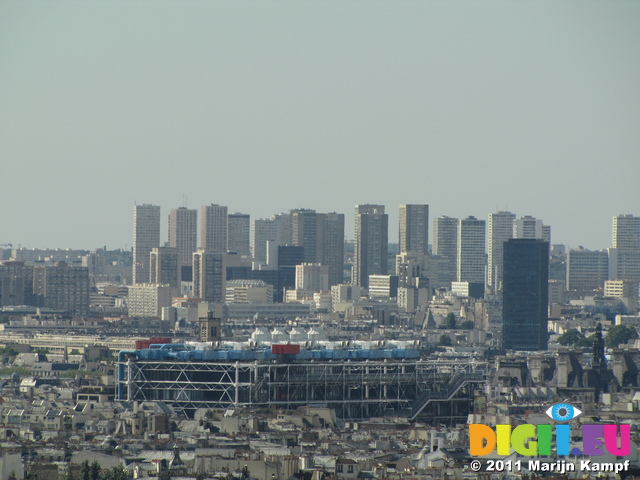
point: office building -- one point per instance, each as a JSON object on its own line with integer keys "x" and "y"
{"x": 587, "y": 270}
{"x": 624, "y": 254}
{"x": 471, "y": 250}
{"x": 183, "y": 233}
{"x": 213, "y": 228}
{"x": 445, "y": 244}
{"x": 531, "y": 227}
{"x": 414, "y": 228}
{"x": 146, "y": 236}
{"x": 371, "y": 243}
{"x": 500, "y": 229}
{"x": 525, "y": 291}
{"x": 410, "y": 266}
{"x": 209, "y": 276}
{"x": 239, "y": 233}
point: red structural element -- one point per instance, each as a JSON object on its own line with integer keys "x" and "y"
{"x": 143, "y": 344}
{"x": 286, "y": 349}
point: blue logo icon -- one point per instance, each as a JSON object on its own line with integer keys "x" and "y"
{"x": 563, "y": 412}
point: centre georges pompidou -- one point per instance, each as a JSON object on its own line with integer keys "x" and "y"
{"x": 358, "y": 379}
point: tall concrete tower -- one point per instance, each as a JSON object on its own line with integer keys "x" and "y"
{"x": 414, "y": 228}
{"x": 445, "y": 245}
{"x": 239, "y": 233}
{"x": 471, "y": 250}
{"x": 213, "y": 230}
{"x": 500, "y": 230}
{"x": 146, "y": 236}
{"x": 183, "y": 228}
{"x": 371, "y": 243}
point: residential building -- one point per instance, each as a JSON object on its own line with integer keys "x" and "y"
{"x": 626, "y": 232}
{"x": 525, "y": 294}
{"x": 239, "y": 233}
{"x": 626, "y": 290}
{"x": 383, "y": 286}
{"x": 471, "y": 261}
{"x": 62, "y": 287}
{"x": 209, "y": 276}
{"x": 500, "y": 229}
{"x": 414, "y": 228}
{"x": 148, "y": 299}
{"x": 164, "y": 268}
{"x": 312, "y": 277}
{"x": 146, "y": 236}
{"x": 587, "y": 270}
{"x": 445, "y": 244}
{"x": 183, "y": 233}
{"x": 213, "y": 229}
{"x": 267, "y": 230}
{"x": 248, "y": 291}
{"x": 371, "y": 243}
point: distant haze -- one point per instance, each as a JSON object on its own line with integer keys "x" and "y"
{"x": 470, "y": 107}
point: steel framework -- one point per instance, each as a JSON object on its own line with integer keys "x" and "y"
{"x": 354, "y": 388}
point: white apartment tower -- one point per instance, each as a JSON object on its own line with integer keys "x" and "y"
{"x": 183, "y": 233}
{"x": 414, "y": 228}
{"x": 500, "y": 229}
{"x": 213, "y": 229}
{"x": 531, "y": 227}
{"x": 624, "y": 254}
{"x": 146, "y": 236}
{"x": 471, "y": 250}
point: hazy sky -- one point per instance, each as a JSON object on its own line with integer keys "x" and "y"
{"x": 469, "y": 106}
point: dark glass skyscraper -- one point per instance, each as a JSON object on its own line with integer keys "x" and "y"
{"x": 525, "y": 294}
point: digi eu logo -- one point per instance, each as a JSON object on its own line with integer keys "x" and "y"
{"x": 533, "y": 440}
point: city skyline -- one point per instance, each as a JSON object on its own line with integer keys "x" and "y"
{"x": 266, "y": 107}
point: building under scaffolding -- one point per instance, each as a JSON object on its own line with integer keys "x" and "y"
{"x": 356, "y": 379}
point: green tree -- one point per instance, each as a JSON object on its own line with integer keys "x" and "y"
{"x": 445, "y": 341}
{"x": 116, "y": 473}
{"x": 570, "y": 337}
{"x": 467, "y": 325}
{"x": 451, "y": 321}
{"x": 85, "y": 470}
{"x": 585, "y": 341}
{"x": 619, "y": 334}
{"x": 94, "y": 471}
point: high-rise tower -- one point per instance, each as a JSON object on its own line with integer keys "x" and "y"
{"x": 213, "y": 230}
{"x": 183, "y": 228}
{"x": 471, "y": 250}
{"x": 146, "y": 236}
{"x": 239, "y": 233}
{"x": 445, "y": 245}
{"x": 414, "y": 228}
{"x": 371, "y": 243}
{"x": 500, "y": 230}
{"x": 525, "y": 292}
{"x": 626, "y": 232}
